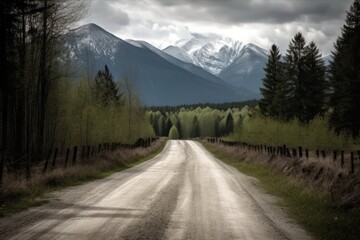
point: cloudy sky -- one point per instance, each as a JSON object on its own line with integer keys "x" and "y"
{"x": 262, "y": 22}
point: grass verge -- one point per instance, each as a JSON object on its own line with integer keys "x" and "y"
{"x": 310, "y": 208}
{"x": 19, "y": 194}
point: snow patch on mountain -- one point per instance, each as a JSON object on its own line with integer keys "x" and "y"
{"x": 213, "y": 53}
{"x": 160, "y": 78}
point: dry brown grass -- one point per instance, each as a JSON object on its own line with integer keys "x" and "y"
{"x": 322, "y": 174}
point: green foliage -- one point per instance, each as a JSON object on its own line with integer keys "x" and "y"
{"x": 195, "y": 128}
{"x": 104, "y": 88}
{"x": 219, "y": 106}
{"x": 273, "y": 77}
{"x": 80, "y": 119}
{"x": 173, "y": 133}
{"x": 199, "y": 122}
{"x": 315, "y": 135}
{"x": 345, "y": 75}
{"x": 315, "y": 84}
{"x": 305, "y": 72}
{"x": 295, "y": 88}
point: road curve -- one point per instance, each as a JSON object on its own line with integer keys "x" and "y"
{"x": 183, "y": 193}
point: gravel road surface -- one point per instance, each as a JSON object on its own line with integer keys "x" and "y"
{"x": 183, "y": 193}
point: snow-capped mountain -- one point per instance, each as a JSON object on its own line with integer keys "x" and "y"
{"x": 160, "y": 78}
{"x": 213, "y": 53}
{"x": 248, "y": 69}
{"x": 235, "y": 62}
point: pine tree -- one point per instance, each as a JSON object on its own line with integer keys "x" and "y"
{"x": 314, "y": 83}
{"x": 345, "y": 75}
{"x": 179, "y": 128}
{"x": 229, "y": 127}
{"x": 161, "y": 126}
{"x": 271, "y": 83}
{"x": 168, "y": 126}
{"x": 195, "y": 127}
{"x": 104, "y": 88}
{"x": 295, "y": 62}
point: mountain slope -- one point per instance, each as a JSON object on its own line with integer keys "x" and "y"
{"x": 212, "y": 53}
{"x": 185, "y": 65}
{"x": 248, "y": 69}
{"x": 238, "y": 64}
{"x": 159, "y": 81}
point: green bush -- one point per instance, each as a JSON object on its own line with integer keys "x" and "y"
{"x": 174, "y": 133}
{"x": 315, "y": 135}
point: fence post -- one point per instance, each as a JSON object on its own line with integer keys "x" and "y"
{"x": 300, "y": 152}
{"x": 317, "y": 153}
{"x": 334, "y": 155}
{"x": 307, "y": 153}
{"x": 88, "y": 152}
{"x": 284, "y": 150}
{"x": 342, "y": 159}
{"x": 288, "y": 152}
{"x": 93, "y": 151}
{"x": 67, "y": 156}
{"x": 352, "y": 168}
{"x": 47, "y": 160}
{"x": 83, "y": 149}
{"x": 323, "y": 153}
{"x": 74, "y": 155}
{"x": 54, "y": 159}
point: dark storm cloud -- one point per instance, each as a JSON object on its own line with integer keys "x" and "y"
{"x": 263, "y": 22}
{"x": 257, "y": 11}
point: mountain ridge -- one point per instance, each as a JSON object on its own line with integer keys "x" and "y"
{"x": 160, "y": 81}
{"x": 225, "y": 58}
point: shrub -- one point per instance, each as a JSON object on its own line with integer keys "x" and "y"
{"x": 174, "y": 133}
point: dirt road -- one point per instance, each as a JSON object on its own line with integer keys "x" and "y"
{"x": 183, "y": 193}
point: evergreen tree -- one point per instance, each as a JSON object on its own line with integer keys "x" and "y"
{"x": 161, "y": 126}
{"x": 345, "y": 75}
{"x": 174, "y": 133}
{"x": 315, "y": 84}
{"x": 168, "y": 126}
{"x": 271, "y": 83}
{"x": 195, "y": 127}
{"x": 305, "y": 84}
{"x": 104, "y": 88}
{"x": 154, "y": 124}
{"x": 179, "y": 128}
{"x": 295, "y": 61}
{"x": 229, "y": 127}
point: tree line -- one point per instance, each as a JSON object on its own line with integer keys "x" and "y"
{"x": 219, "y": 106}
{"x": 299, "y": 86}
{"x": 199, "y": 122}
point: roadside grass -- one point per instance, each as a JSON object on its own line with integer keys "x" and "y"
{"x": 310, "y": 208}
{"x": 19, "y": 194}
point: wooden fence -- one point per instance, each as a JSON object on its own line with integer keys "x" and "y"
{"x": 349, "y": 160}
{"x": 76, "y": 153}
